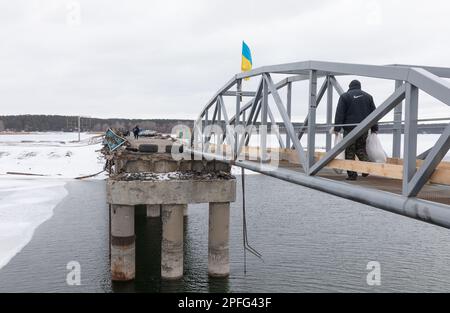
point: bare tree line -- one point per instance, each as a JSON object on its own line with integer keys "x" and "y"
{"x": 44, "y": 123}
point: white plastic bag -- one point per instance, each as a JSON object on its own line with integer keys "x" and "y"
{"x": 374, "y": 149}
{"x": 337, "y": 139}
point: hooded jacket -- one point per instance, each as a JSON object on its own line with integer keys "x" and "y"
{"x": 353, "y": 107}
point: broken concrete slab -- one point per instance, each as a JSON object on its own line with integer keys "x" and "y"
{"x": 170, "y": 191}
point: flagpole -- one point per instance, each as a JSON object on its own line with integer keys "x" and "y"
{"x": 237, "y": 117}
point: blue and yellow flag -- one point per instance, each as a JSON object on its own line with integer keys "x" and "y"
{"x": 246, "y": 64}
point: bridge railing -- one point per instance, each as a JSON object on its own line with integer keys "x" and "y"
{"x": 408, "y": 81}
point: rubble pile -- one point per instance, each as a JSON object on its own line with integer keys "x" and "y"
{"x": 190, "y": 175}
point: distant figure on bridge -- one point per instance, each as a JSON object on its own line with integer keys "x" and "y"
{"x": 136, "y": 131}
{"x": 353, "y": 107}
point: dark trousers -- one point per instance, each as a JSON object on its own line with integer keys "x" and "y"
{"x": 358, "y": 148}
{"x": 136, "y": 135}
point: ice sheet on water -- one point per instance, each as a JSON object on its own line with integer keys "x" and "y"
{"x": 24, "y": 205}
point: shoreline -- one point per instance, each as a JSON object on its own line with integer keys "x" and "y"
{"x": 21, "y": 219}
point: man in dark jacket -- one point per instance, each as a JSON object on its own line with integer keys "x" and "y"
{"x": 136, "y": 131}
{"x": 353, "y": 107}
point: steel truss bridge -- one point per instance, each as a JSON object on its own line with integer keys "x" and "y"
{"x": 417, "y": 186}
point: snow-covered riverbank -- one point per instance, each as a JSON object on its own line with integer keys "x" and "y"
{"x": 28, "y": 201}
{"x": 25, "y": 204}
{"x": 50, "y": 154}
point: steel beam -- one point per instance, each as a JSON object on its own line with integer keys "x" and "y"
{"x": 289, "y": 110}
{"x": 426, "y": 80}
{"x": 219, "y": 113}
{"x": 320, "y": 95}
{"x": 325, "y": 68}
{"x": 415, "y": 78}
{"x": 397, "y": 133}
{"x": 279, "y": 85}
{"x": 312, "y": 118}
{"x": 223, "y": 109}
{"x": 221, "y": 103}
{"x": 230, "y": 93}
{"x": 435, "y": 156}
{"x": 251, "y": 120}
{"x": 237, "y": 115}
{"x": 431, "y": 84}
{"x": 329, "y": 111}
{"x": 253, "y": 103}
{"x": 336, "y": 85}
{"x": 225, "y": 88}
{"x": 287, "y": 123}
{"x": 255, "y": 118}
{"x": 426, "y": 211}
{"x": 213, "y": 121}
{"x": 423, "y": 155}
{"x": 438, "y": 71}
{"x": 273, "y": 123}
{"x": 263, "y": 126}
{"x": 410, "y": 145}
{"x": 375, "y": 71}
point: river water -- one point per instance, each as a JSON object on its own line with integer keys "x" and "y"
{"x": 310, "y": 242}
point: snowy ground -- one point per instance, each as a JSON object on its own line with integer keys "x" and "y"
{"x": 50, "y": 154}
{"x": 28, "y": 201}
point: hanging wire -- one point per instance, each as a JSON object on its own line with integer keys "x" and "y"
{"x": 245, "y": 243}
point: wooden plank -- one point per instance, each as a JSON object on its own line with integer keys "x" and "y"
{"x": 442, "y": 165}
{"x": 440, "y": 176}
{"x": 378, "y": 169}
{"x": 392, "y": 169}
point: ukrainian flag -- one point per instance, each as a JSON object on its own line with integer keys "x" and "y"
{"x": 246, "y": 64}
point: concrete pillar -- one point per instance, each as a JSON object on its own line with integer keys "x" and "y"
{"x": 218, "y": 238}
{"x": 172, "y": 241}
{"x": 123, "y": 266}
{"x": 153, "y": 210}
{"x": 185, "y": 211}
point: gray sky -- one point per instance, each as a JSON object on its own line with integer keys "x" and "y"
{"x": 165, "y": 59}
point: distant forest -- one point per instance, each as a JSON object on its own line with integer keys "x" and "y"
{"x": 70, "y": 123}
{"x": 44, "y": 123}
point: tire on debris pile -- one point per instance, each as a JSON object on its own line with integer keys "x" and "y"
{"x": 169, "y": 148}
{"x": 149, "y": 148}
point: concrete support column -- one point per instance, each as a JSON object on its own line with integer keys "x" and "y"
{"x": 123, "y": 266}
{"x": 218, "y": 239}
{"x": 153, "y": 210}
{"x": 172, "y": 241}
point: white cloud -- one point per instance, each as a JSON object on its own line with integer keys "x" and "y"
{"x": 167, "y": 58}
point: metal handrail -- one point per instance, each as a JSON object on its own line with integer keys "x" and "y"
{"x": 408, "y": 81}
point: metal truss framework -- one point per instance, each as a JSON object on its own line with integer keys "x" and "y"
{"x": 408, "y": 80}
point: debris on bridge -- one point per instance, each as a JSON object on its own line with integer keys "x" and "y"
{"x": 189, "y": 175}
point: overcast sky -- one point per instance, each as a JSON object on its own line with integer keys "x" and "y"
{"x": 165, "y": 59}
